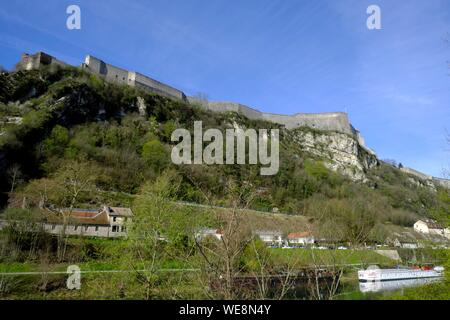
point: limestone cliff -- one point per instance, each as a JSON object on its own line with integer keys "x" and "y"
{"x": 339, "y": 151}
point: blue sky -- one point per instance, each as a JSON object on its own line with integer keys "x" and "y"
{"x": 280, "y": 56}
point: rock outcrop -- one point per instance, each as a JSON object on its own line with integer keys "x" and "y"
{"x": 339, "y": 151}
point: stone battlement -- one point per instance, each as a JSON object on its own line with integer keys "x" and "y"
{"x": 35, "y": 61}
{"x": 445, "y": 183}
{"x": 327, "y": 121}
{"x": 330, "y": 121}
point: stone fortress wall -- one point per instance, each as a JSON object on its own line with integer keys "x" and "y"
{"x": 332, "y": 121}
{"x": 416, "y": 173}
{"x": 124, "y": 77}
{"x": 439, "y": 181}
{"x": 445, "y": 183}
{"x": 30, "y": 62}
{"x": 327, "y": 121}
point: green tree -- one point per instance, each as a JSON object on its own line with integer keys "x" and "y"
{"x": 156, "y": 155}
{"x": 57, "y": 141}
{"x": 167, "y": 129}
{"x": 159, "y": 230}
{"x": 61, "y": 193}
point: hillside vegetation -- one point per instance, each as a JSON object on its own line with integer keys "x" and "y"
{"x": 70, "y": 118}
{"x": 68, "y": 139}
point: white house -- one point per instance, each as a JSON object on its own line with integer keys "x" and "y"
{"x": 447, "y": 233}
{"x": 270, "y": 237}
{"x": 300, "y": 238}
{"x": 208, "y": 233}
{"x": 118, "y": 218}
{"x": 410, "y": 245}
{"x": 428, "y": 226}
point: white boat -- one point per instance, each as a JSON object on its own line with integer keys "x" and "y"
{"x": 373, "y": 273}
{"x": 380, "y": 286}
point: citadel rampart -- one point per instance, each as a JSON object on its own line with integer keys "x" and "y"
{"x": 328, "y": 121}
{"x": 35, "y": 61}
{"x": 331, "y": 121}
{"x": 124, "y": 77}
{"x": 416, "y": 173}
{"x": 445, "y": 183}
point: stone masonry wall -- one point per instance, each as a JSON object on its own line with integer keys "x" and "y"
{"x": 35, "y": 61}
{"x": 329, "y": 121}
{"x": 124, "y": 77}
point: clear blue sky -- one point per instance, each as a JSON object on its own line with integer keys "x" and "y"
{"x": 278, "y": 56}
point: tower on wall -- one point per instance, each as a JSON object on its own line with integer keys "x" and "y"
{"x": 35, "y": 61}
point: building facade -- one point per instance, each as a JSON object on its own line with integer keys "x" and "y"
{"x": 107, "y": 222}
{"x": 208, "y": 233}
{"x": 270, "y": 237}
{"x": 428, "y": 226}
{"x": 300, "y": 238}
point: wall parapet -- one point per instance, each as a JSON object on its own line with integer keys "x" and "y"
{"x": 445, "y": 183}
{"x": 326, "y": 121}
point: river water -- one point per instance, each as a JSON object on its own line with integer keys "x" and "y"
{"x": 372, "y": 290}
{"x": 351, "y": 288}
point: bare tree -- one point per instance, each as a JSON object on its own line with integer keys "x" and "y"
{"x": 447, "y": 170}
{"x": 61, "y": 193}
{"x": 221, "y": 258}
{"x": 273, "y": 280}
{"x": 15, "y": 176}
{"x": 224, "y": 275}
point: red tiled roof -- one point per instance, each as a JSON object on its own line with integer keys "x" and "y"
{"x": 81, "y": 217}
{"x": 89, "y": 218}
{"x": 296, "y": 235}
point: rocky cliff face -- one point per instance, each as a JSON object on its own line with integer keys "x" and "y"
{"x": 339, "y": 151}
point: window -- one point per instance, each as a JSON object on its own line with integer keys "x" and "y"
{"x": 96, "y": 228}
{"x": 114, "y": 219}
{"x": 115, "y": 229}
